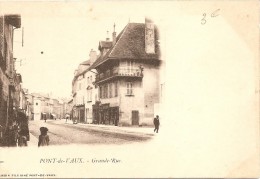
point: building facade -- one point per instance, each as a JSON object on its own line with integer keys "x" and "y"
{"x": 128, "y": 77}
{"x": 57, "y": 109}
{"x": 68, "y": 109}
{"x": 84, "y": 91}
{"x": 37, "y": 108}
{"x": 43, "y": 106}
{"x": 8, "y": 78}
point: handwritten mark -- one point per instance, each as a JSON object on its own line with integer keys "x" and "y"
{"x": 203, "y": 20}
{"x": 213, "y": 14}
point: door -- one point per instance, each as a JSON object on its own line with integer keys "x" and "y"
{"x": 135, "y": 117}
{"x": 82, "y": 115}
{"x": 116, "y": 116}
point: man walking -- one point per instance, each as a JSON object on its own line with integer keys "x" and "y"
{"x": 156, "y": 123}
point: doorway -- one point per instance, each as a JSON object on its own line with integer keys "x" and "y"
{"x": 135, "y": 117}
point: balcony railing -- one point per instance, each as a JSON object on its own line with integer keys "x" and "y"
{"x": 128, "y": 72}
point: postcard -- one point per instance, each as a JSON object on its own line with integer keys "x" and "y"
{"x": 129, "y": 89}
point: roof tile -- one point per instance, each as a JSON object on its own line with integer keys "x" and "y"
{"x": 130, "y": 44}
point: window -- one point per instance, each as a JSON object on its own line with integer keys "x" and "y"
{"x": 36, "y": 104}
{"x": 105, "y": 91}
{"x": 89, "y": 95}
{"x": 129, "y": 66}
{"x": 100, "y": 92}
{"x": 129, "y": 88}
{"x": 116, "y": 89}
{"x": 101, "y": 75}
{"x": 107, "y": 73}
{"x": 110, "y": 90}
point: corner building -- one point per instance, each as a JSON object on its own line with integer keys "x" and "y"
{"x": 128, "y": 76}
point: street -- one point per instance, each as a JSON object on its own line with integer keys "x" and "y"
{"x": 61, "y": 133}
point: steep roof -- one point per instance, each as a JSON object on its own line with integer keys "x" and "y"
{"x": 82, "y": 68}
{"x": 104, "y": 44}
{"x": 87, "y": 62}
{"x": 130, "y": 44}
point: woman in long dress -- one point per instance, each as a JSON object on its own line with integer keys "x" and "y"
{"x": 43, "y": 138}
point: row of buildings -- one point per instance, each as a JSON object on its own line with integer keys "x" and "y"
{"x": 122, "y": 84}
{"x": 14, "y": 99}
{"x": 12, "y": 96}
{"x": 43, "y": 106}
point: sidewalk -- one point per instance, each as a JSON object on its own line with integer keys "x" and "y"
{"x": 143, "y": 131}
{"x": 33, "y": 142}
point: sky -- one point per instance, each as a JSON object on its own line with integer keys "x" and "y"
{"x": 55, "y": 44}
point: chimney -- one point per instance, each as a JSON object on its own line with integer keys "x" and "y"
{"x": 92, "y": 56}
{"x": 107, "y": 39}
{"x": 149, "y": 36}
{"x": 114, "y": 35}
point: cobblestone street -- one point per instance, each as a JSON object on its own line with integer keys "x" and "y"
{"x": 61, "y": 132}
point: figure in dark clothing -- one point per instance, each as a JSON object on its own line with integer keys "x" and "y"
{"x": 43, "y": 138}
{"x": 10, "y": 137}
{"x": 22, "y": 140}
{"x": 23, "y": 129}
{"x": 156, "y": 123}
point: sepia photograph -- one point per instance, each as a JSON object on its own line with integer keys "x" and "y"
{"x": 129, "y": 89}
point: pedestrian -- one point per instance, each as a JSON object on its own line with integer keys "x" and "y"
{"x": 156, "y": 123}
{"x": 45, "y": 118}
{"x": 22, "y": 139}
{"x": 43, "y": 138}
{"x": 10, "y": 135}
{"x": 16, "y": 129}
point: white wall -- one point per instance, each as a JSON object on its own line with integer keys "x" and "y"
{"x": 37, "y": 109}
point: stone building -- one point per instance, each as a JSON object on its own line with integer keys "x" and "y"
{"x": 41, "y": 106}
{"x": 57, "y": 109}
{"x": 8, "y": 77}
{"x": 83, "y": 91}
{"x": 68, "y": 108}
{"x": 128, "y": 77}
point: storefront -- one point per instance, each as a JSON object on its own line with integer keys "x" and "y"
{"x": 104, "y": 114}
{"x": 79, "y": 113}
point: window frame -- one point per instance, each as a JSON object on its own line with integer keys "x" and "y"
{"x": 129, "y": 89}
